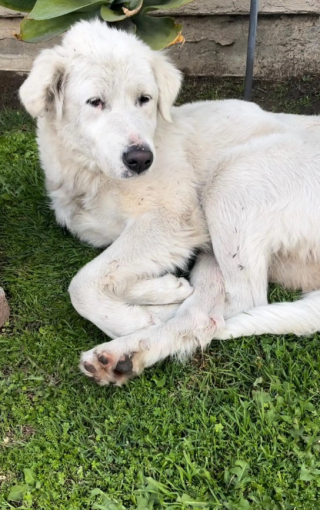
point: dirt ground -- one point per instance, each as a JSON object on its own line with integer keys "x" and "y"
{"x": 9, "y": 85}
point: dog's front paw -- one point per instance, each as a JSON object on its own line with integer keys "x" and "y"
{"x": 117, "y": 282}
{"x": 177, "y": 289}
{"x": 107, "y": 365}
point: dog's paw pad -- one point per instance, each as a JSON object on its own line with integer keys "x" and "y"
{"x": 89, "y": 367}
{"x": 104, "y": 359}
{"x": 124, "y": 366}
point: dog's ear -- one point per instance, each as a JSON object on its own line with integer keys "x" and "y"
{"x": 43, "y": 89}
{"x": 169, "y": 82}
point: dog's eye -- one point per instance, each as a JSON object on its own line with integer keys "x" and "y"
{"x": 96, "y": 102}
{"x": 143, "y": 99}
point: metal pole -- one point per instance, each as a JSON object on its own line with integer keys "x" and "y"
{"x": 254, "y": 7}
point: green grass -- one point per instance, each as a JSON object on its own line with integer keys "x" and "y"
{"x": 236, "y": 428}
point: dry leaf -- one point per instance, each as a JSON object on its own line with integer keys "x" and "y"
{"x": 133, "y": 12}
{"x": 179, "y": 39}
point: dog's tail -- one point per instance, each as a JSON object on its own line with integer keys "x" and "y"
{"x": 301, "y": 317}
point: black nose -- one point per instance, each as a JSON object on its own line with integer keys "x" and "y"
{"x": 138, "y": 158}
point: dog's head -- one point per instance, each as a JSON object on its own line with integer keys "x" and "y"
{"x": 102, "y": 90}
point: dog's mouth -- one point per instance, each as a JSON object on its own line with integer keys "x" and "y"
{"x": 128, "y": 174}
{"x": 131, "y": 175}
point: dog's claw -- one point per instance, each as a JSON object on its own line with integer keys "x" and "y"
{"x": 124, "y": 366}
{"x": 89, "y": 367}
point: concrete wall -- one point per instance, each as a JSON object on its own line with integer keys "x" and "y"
{"x": 288, "y": 40}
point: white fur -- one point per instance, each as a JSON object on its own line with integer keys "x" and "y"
{"x": 226, "y": 172}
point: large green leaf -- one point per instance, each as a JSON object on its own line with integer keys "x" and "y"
{"x": 36, "y": 31}
{"x": 18, "y": 5}
{"x": 48, "y": 9}
{"x": 156, "y": 32}
{"x": 111, "y": 16}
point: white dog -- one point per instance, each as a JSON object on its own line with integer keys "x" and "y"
{"x": 124, "y": 167}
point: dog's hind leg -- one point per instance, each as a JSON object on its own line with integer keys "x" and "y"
{"x": 241, "y": 244}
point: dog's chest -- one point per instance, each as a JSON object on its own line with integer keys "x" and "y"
{"x": 93, "y": 215}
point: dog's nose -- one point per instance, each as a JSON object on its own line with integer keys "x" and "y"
{"x": 138, "y": 158}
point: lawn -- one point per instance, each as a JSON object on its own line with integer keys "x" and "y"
{"x": 235, "y": 428}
